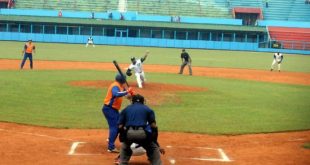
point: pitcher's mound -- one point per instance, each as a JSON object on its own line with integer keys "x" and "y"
{"x": 155, "y": 93}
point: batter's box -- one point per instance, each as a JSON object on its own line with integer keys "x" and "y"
{"x": 82, "y": 148}
{"x": 196, "y": 153}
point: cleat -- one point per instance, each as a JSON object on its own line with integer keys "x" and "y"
{"x": 113, "y": 150}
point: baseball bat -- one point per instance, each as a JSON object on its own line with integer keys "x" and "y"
{"x": 120, "y": 72}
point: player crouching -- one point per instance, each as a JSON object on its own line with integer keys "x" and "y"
{"x": 136, "y": 65}
{"x": 90, "y": 41}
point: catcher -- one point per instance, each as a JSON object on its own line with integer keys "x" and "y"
{"x": 277, "y": 59}
{"x": 136, "y": 65}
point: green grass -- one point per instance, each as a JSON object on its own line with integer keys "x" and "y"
{"x": 228, "y": 107}
{"x": 306, "y": 145}
{"x": 167, "y": 56}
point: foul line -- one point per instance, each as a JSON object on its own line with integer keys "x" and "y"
{"x": 39, "y": 135}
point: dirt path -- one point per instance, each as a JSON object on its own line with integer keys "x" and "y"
{"x": 243, "y": 74}
{"x": 21, "y": 144}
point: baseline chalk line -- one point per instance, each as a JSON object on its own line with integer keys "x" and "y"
{"x": 73, "y": 147}
{"x": 39, "y": 135}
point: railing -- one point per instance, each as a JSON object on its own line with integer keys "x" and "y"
{"x": 292, "y": 45}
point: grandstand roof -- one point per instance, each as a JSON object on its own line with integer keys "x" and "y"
{"x": 130, "y": 23}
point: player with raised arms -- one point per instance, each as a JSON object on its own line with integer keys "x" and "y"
{"x": 136, "y": 65}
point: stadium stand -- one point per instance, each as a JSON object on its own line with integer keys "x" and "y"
{"x": 299, "y": 12}
{"x": 246, "y": 3}
{"x": 291, "y": 38}
{"x": 293, "y": 10}
{"x": 202, "y": 20}
{"x": 80, "y": 5}
{"x": 206, "y": 8}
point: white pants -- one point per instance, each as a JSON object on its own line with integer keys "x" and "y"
{"x": 90, "y": 43}
{"x": 274, "y": 63}
{"x": 140, "y": 79}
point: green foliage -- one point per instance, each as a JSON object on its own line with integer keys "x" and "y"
{"x": 227, "y": 107}
{"x": 166, "y": 56}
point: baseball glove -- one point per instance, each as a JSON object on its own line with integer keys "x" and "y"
{"x": 128, "y": 72}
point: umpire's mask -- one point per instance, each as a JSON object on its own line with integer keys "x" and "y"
{"x": 137, "y": 99}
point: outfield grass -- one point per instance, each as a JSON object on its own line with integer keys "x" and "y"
{"x": 228, "y": 107}
{"x": 167, "y": 56}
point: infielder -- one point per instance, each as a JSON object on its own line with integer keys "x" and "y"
{"x": 277, "y": 59}
{"x": 27, "y": 52}
{"x": 90, "y": 41}
{"x": 136, "y": 65}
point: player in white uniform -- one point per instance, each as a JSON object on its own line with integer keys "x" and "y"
{"x": 277, "y": 59}
{"x": 90, "y": 41}
{"x": 136, "y": 65}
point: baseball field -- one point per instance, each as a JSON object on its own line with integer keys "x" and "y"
{"x": 233, "y": 110}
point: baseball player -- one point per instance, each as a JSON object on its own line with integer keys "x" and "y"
{"x": 29, "y": 48}
{"x": 136, "y": 65}
{"x": 277, "y": 59}
{"x": 111, "y": 107}
{"x": 90, "y": 41}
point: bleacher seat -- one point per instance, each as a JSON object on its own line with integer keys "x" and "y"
{"x": 293, "y": 10}
{"x": 291, "y": 38}
{"x": 80, "y": 5}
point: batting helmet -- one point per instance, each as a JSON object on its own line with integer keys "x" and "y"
{"x": 119, "y": 78}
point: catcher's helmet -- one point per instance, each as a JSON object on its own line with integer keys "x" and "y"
{"x": 119, "y": 78}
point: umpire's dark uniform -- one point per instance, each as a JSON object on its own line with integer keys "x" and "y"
{"x": 186, "y": 60}
{"x": 132, "y": 123}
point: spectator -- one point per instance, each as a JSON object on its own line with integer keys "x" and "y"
{"x": 10, "y": 4}
{"x": 122, "y": 16}
{"x": 59, "y": 13}
{"x": 267, "y": 3}
{"x": 92, "y": 15}
{"x": 249, "y": 22}
{"x": 110, "y": 15}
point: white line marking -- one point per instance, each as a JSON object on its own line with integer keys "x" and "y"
{"x": 204, "y": 148}
{"x": 40, "y": 135}
{"x": 85, "y": 154}
{"x": 73, "y": 147}
{"x": 294, "y": 140}
{"x": 223, "y": 155}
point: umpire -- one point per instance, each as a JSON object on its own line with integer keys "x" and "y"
{"x": 133, "y": 123}
{"x": 186, "y": 60}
